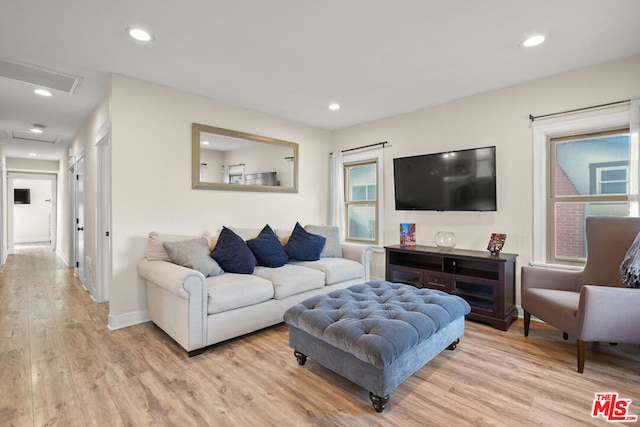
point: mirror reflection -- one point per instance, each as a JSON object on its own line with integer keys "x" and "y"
{"x": 224, "y": 159}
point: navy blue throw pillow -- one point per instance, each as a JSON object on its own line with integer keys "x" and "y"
{"x": 233, "y": 254}
{"x": 268, "y": 249}
{"x": 304, "y": 246}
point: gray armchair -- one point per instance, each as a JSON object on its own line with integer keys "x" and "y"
{"x": 591, "y": 305}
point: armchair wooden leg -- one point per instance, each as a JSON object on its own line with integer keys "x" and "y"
{"x": 582, "y": 354}
{"x": 527, "y": 321}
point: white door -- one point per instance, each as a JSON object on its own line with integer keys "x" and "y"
{"x": 79, "y": 225}
{"x": 103, "y": 238}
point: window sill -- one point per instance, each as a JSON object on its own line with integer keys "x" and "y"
{"x": 556, "y": 266}
{"x": 375, "y": 248}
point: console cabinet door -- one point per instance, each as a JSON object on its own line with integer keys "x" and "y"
{"x": 408, "y": 275}
{"x": 481, "y": 294}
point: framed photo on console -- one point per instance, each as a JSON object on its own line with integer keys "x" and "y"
{"x": 407, "y": 234}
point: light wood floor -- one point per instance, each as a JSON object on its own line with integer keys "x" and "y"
{"x": 60, "y": 365}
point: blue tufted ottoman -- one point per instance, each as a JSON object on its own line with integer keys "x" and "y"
{"x": 376, "y": 334}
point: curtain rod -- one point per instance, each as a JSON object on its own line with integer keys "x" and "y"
{"x": 532, "y": 117}
{"x": 364, "y": 146}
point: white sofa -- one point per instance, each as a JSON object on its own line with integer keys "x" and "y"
{"x": 198, "y": 311}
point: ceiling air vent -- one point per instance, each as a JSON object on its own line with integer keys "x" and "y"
{"x": 39, "y": 76}
{"x": 33, "y": 137}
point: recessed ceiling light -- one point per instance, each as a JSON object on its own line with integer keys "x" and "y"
{"x": 533, "y": 41}
{"x": 334, "y": 106}
{"x": 205, "y": 143}
{"x": 36, "y": 128}
{"x": 33, "y": 155}
{"x": 42, "y": 92}
{"x": 139, "y": 34}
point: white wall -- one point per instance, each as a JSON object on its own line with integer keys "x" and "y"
{"x": 31, "y": 223}
{"x": 497, "y": 118}
{"x": 32, "y": 165}
{"x": 84, "y": 144}
{"x": 151, "y": 166}
{"x": 151, "y": 179}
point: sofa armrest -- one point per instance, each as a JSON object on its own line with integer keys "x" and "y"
{"x": 174, "y": 278}
{"x": 609, "y": 314}
{"x": 359, "y": 253}
{"x": 551, "y": 278}
{"x": 177, "y": 301}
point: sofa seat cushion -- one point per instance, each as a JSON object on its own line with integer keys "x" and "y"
{"x": 336, "y": 270}
{"x": 232, "y": 290}
{"x": 291, "y": 279}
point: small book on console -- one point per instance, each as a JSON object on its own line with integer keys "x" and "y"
{"x": 407, "y": 234}
{"x": 496, "y": 242}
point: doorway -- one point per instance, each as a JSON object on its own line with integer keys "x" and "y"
{"x": 32, "y": 209}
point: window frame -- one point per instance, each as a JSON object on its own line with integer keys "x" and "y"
{"x": 362, "y": 158}
{"x": 346, "y": 167}
{"x": 542, "y": 133}
{"x": 553, "y": 200}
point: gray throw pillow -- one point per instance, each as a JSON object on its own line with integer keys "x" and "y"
{"x": 332, "y": 247}
{"x": 193, "y": 254}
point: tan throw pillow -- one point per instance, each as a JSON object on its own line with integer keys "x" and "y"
{"x": 332, "y": 247}
{"x": 193, "y": 254}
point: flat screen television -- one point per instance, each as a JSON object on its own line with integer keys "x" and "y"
{"x": 463, "y": 180}
{"x": 22, "y": 196}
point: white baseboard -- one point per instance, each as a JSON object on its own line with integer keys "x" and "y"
{"x": 33, "y": 240}
{"x": 62, "y": 257}
{"x": 127, "y": 319}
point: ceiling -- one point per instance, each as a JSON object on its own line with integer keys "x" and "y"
{"x": 292, "y": 58}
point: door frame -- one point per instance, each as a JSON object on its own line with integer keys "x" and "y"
{"x": 75, "y": 203}
{"x": 53, "y": 219}
{"x": 103, "y": 226}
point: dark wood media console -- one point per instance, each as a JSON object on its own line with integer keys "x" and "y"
{"x": 485, "y": 281}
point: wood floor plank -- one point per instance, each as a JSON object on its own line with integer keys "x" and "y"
{"x": 16, "y": 404}
{"x": 60, "y": 365}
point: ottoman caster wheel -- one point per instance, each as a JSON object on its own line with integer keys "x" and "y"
{"x": 301, "y": 358}
{"x": 454, "y": 344}
{"x": 379, "y": 403}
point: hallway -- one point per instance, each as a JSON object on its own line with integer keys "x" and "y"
{"x": 45, "y": 313}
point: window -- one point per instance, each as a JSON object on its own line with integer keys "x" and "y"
{"x": 582, "y": 168}
{"x": 361, "y": 199}
{"x": 589, "y": 175}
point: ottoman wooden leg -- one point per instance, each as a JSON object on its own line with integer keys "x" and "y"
{"x": 301, "y": 358}
{"x": 379, "y": 403}
{"x": 454, "y": 344}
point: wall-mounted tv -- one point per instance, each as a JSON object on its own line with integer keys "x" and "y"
{"x": 22, "y": 196}
{"x": 463, "y": 180}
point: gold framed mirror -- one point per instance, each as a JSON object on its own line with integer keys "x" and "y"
{"x": 224, "y": 159}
